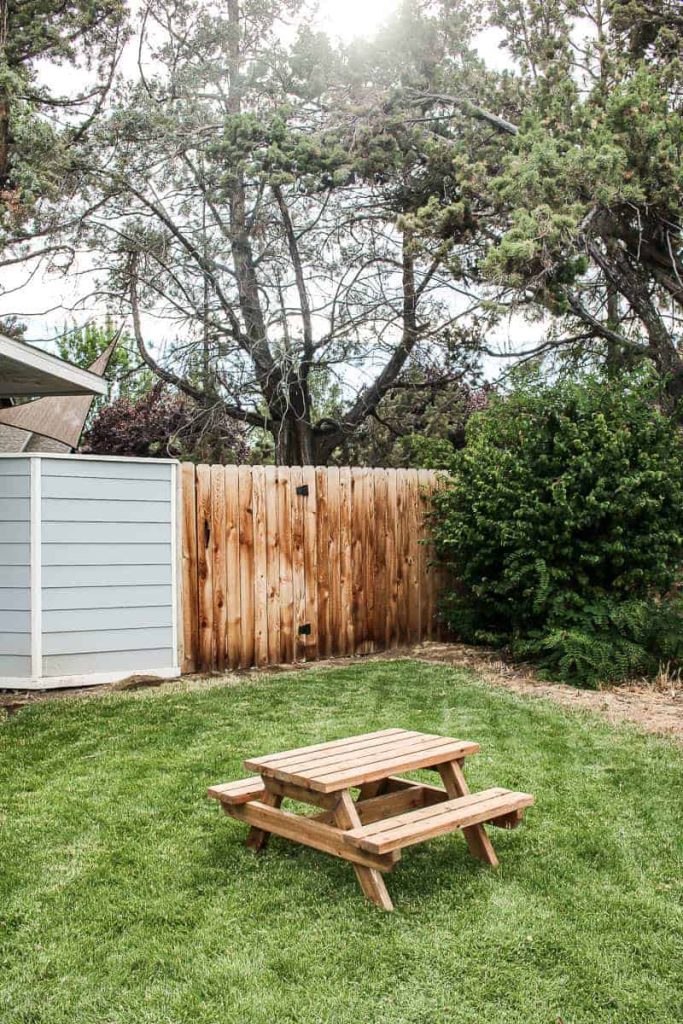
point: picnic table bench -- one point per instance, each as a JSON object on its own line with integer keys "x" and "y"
{"x": 388, "y": 813}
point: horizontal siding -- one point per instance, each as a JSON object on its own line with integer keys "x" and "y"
{"x": 14, "y": 467}
{"x": 121, "y": 661}
{"x": 15, "y": 486}
{"x": 15, "y": 620}
{"x": 14, "y": 665}
{"x": 102, "y": 640}
{"x": 15, "y": 573}
{"x": 71, "y": 620}
{"x": 66, "y": 510}
{"x": 105, "y": 575}
{"x": 104, "y": 597}
{"x": 15, "y": 643}
{"x": 14, "y": 510}
{"x": 16, "y": 533}
{"x": 79, "y": 488}
{"x": 15, "y": 554}
{"x": 106, "y": 554}
{"x": 123, "y": 470}
{"x": 18, "y": 598}
{"x": 15, "y": 576}
{"x": 112, "y": 533}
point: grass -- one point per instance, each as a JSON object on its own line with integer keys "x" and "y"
{"x": 127, "y": 898}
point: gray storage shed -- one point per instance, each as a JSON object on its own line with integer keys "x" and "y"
{"x": 88, "y": 582}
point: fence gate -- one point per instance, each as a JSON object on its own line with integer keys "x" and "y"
{"x": 292, "y": 564}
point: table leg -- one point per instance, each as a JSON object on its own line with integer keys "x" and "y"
{"x": 257, "y": 838}
{"x": 370, "y": 879}
{"x": 477, "y": 840}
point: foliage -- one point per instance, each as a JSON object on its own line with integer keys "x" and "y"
{"x": 43, "y": 126}
{"x": 127, "y": 378}
{"x": 563, "y": 527}
{"x": 419, "y": 425}
{"x": 160, "y": 423}
{"x": 121, "y": 880}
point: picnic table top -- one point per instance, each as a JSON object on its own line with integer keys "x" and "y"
{"x": 354, "y": 760}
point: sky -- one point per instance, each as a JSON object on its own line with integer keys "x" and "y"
{"x": 46, "y": 302}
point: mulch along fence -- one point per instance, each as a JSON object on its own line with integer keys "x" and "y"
{"x": 292, "y": 564}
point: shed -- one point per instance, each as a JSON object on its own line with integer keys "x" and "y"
{"x": 88, "y": 582}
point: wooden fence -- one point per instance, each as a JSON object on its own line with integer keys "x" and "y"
{"x": 290, "y": 564}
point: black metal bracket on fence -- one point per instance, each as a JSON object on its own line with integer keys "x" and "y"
{"x": 303, "y": 490}
{"x": 305, "y": 629}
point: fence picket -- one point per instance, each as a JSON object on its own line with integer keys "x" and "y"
{"x": 258, "y": 501}
{"x": 246, "y": 521}
{"x": 232, "y": 563}
{"x": 188, "y": 576}
{"x": 205, "y": 569}
{"x": 273, "y": 565}
{"x": 218, "y": 567}
{"x": 284, "y": 510}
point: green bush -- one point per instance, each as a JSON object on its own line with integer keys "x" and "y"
{"x": 562, "y": 526}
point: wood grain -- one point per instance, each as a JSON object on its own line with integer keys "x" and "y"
{"x": 344, "y": 560}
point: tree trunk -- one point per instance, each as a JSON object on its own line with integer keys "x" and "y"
{"x": 295, "y": 442}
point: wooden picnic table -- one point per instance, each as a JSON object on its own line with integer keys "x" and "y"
{"x": 386, "y": 813}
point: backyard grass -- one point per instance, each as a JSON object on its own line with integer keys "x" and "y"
{"x": 126, "y": 896}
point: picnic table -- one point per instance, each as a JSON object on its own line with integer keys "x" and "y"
{"x": 386, "y": 813}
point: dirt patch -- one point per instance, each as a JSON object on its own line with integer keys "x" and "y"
{"x": 654, "y": 708}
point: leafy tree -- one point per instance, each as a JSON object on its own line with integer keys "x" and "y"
{"x": 563, "y": 527}
{"x": 233, "y": 207}
{"x": 43, "y": 127}
{"x": 128, "y": 376}
{"x": 571, "y": 168}
{"x": 161, "y": 423}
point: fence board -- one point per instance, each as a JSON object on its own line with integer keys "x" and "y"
{"x": 323, "y": 562}
{"x": 188, "y": 575}
{"x": 344, "y": 558}
{"x": 380, "y": 560}
{"x": 258, "y": 501}
{"x": 273, "y": 565}
{"x": 232, "y": 563}
{"x": 358, "y": 533}
{"x": 218, "y": 567}
{"x": 335, "y": 620}
{"x": 284, "y": 508}
{"x": 413, "y": 520}
{"x": 205, "y": 569}
{"x": 246, "y": 521}
{"x": 347, "y": 637}
{"x": 298, "y": 563}
{"x": 310, "y": 563}
{"x": 391, "y": 627}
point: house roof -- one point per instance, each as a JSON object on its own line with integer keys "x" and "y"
{"x": 26, "y": 372}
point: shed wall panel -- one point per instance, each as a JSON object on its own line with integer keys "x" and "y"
{"x": 77, "y": 487}
{"x": 117, "y": 533}
{"x": 103, "y": 598}
{"x": 95, "y": 510}
{"x": 106, "y": 566}
{"x": 12, "y": 666}
{"x": 107, "y": 469}
{"x": 99, "y": 641}
{"x": 15, "y": 560}
{"x": 121, "y": 661}
{"x": 105, "y": 575}
{"x": 15, "y": 598}
{"x": 106, "y": 553}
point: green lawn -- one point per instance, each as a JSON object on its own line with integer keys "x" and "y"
{"x": 126, "y": 896}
